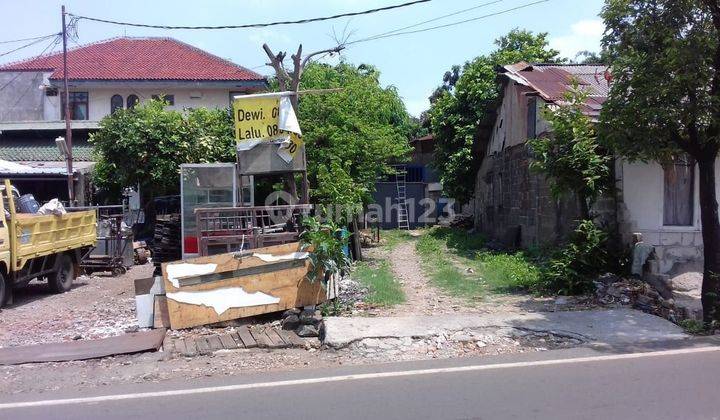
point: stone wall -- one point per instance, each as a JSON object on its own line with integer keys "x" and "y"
{"x": 514, "y": 204}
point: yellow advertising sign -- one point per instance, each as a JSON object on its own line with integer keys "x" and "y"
{"x": 256, "y": 118}
{"x": 267, "y": 118}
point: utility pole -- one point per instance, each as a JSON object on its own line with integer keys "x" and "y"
{"x": 68, "y": 128}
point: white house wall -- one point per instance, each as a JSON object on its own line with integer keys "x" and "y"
{"x": 641, "y": 211}
{"x": 99, "y": 99}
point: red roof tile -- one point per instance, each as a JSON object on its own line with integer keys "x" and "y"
{"x": 139, "y": 59}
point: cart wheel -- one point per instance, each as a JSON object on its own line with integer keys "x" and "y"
{"x": 118, "y": 271}
{"x": 61, "y": 280}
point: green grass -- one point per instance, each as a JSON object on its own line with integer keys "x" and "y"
{"x": 444, "y": 250}
{"x": 384, "y": 289}
{"x": 443, "y": 272}
{"x": 392, "y": 238}
{"x": 507, "y": 272}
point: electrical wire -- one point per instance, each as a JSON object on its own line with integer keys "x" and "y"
{"x": 490, "y": 3}
{"x": 395, "y": 33}
{"x": 52, "y": 46}
{"x": 28, "y": 39}
{"x": 252, "y": 25}
{"x": 28, "y": 44}
{"x": 21, "y": 73}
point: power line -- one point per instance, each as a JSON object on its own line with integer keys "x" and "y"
{"x": 52, "y": 46}
{"x": 395, "y": 33}
{"x": 20, "y": 73}
{"x": 253, "y": 25}
{"x": 28, "y": 44}
{"x": 28, "y": 39}
{"x": 439, "y": 18}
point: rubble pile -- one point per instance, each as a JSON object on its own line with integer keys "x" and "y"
{"x": 466, "y": 342}
{"x": 611, "y": 290}
{"x": 305, "y": 323}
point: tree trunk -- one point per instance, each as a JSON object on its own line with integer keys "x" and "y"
{"x": 711, "y": 239}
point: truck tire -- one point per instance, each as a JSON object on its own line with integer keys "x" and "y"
{"x": 3, "y": 290}
{"x": 61, "y": 280}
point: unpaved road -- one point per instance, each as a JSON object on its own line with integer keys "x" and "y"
{"x": 96, "y": 307}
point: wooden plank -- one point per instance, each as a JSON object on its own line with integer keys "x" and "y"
{"x": 277, "y": 340}
{"x": 237, "y": 339}
{"x": 161, "y": 316}
{"x": 83, "y": 349}
{"x": 246, "y": 337}
{"x": 202, "y": 345}
{"x": 180, "y": 346}
{"x": 263, "y": 341}
{"x": 167, "y": 346}
{"x": 215, "y": 343}
{"x": 242, "y": 272}
{"x": 191, "y": 348}
{"x": 290, "y": 286}
{"x": 291, "y": 338}
{"x": 228, "y": 342}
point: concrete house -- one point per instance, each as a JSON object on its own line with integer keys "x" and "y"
{"x": 103, "y": 76}
{"x": 513, "y": 204}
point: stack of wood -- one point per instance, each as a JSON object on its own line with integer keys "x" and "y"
{"x": 166, "y": 244}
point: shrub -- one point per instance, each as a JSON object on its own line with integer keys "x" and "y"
{"x": 572, "y": 268}
{"x": 327, "y": 242}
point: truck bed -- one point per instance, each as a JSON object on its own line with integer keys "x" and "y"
{"x": 40, "y": 235}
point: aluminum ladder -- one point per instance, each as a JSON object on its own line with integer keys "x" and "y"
{"x": 402, "y": 210}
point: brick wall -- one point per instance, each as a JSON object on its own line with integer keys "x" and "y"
{"x": 514, "y": 204}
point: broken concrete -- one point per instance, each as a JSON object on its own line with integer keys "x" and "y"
{"x": 610, "y": 327}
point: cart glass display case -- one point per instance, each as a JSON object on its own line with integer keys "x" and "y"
{"x": 208, "y": 185}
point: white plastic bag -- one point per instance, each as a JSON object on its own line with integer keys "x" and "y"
{"x": 52, "y": 207}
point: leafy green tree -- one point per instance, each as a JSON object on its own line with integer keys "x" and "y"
{"x": 337, "y": 192}
{"x": 465, "y": 102}
{"x": 665, "y": 100}
{"x": 145, "y": 146}
{"x": 570, "y": 156}
{"x": 363, "y": 125}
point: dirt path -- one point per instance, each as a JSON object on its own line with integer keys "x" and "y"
{"x": 422, "y": 297}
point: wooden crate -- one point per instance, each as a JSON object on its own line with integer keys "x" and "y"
{"x": 285, "y": 281}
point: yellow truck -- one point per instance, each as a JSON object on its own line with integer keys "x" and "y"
{"x": 44, "y": 247}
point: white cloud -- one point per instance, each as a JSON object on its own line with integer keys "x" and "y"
{"x": 585, "y": 35}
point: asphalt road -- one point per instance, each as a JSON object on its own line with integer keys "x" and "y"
{"x": 674, "y": 381}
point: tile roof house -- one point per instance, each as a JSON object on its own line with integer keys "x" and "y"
{"x": 104, "y": 76}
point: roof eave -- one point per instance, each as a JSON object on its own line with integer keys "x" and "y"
{"x": 231, "y": 84}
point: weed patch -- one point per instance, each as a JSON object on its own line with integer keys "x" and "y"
{"x": 384, "y": 289}
{"x": 393, "y": 238}
{"x": 443, "y": 272}
{"x": 508, "y": 272}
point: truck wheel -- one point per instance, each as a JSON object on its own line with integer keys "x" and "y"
{"x": 61, "y": 280}
{"x": 3, "y": 290}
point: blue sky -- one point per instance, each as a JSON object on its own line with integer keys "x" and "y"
{"x": 413, "y": 63}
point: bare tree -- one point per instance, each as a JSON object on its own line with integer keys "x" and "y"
{"x": 289, "y": 80}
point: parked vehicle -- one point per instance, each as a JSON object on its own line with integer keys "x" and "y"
{"x": 46, "y": 247}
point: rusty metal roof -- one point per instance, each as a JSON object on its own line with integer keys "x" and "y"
{"x": 551, "y": 81}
